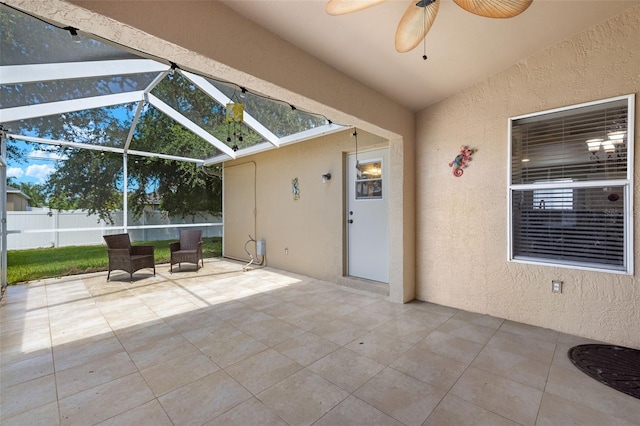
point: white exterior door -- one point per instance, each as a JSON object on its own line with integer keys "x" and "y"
{"x": 368, "y": 215}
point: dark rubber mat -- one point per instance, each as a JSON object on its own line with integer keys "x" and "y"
{"x": 615, "y": 366}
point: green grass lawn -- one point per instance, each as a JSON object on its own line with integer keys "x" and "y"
{"x": 35, "y": 264}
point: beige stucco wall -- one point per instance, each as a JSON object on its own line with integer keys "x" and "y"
{"x": 462, "y": 222}
{"x": 203, "y": 36}
{"x": 311, "y": 229}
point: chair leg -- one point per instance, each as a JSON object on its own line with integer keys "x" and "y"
{"x": 131, "y": 276}
{"x": 108, "y": 274}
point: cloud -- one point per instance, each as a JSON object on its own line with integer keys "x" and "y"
{"x": 40, "y": 171}
{"x": 15, "y": 172}
{"x": 39, "y": 154}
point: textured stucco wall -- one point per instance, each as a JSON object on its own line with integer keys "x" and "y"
{"x": 201, "y": 35}
{"x": 462, "y": 222}
{"x": 312, "y": 228}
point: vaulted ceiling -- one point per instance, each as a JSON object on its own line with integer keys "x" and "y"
{"x": 462, "y": 48}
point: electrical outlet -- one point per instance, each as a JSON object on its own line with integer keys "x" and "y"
{"x": 556, "y": 286}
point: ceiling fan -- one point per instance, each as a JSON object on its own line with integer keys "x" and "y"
{"x": 420, "y": 15}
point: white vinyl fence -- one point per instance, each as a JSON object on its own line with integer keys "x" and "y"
{"x": 37, "y": 228}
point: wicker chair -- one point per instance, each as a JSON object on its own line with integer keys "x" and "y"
{"x": 125, "y": 257}
{"x": 188, "y": 249}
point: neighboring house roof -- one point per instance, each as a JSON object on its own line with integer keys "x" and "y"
{"x": 12, "y": 190}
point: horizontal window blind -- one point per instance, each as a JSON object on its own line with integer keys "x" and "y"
{"x": 587, "y": 227}
{"x": 569, "y": 185}
{"x": 554, "y": 146}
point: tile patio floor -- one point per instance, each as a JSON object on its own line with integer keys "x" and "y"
{"x": 266, "y": 347}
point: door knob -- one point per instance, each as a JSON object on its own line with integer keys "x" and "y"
{"x": 350, "y": 220}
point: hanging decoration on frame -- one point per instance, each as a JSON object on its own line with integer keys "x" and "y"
{"x": 462, "y": 160}
{"x": 234, "y": 114}
{"x": 295, "y": 189}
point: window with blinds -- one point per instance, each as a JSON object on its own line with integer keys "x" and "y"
{"x": 571, "y": 184}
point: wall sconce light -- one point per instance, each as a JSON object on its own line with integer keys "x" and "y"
{"x": 326, "y": 177}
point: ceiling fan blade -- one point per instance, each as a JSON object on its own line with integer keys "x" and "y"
{"x": 494, "y": 8}
{"x": 415, "y": 24}
{"x": 340, "y": 7}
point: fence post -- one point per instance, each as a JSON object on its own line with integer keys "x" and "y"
{"x": 56, "y": 225}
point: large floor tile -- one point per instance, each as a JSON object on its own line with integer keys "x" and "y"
{"x": 45, "y": 415}
{"x": 529, "y": 346}
{"x": 453, "y": 411}
{"x": 150, "y": 413}
{"x": 85, "y": 376}
{"x": 204, "y": 399}
{"x": 175, "y": 373}
{"x": 346, "y": 368}
{"x": 26, "y": 370}
{"x": 504, "y": 397}
{"x": 527, "y": 371}
{"x": 302, "y": 398}
{"x": 402, "y": 397}
{"x": 467, "y": 330}
{"x": 83, "y": 352}
{"x": 307, "y": 348}
{"x": 105, "y": 401}
{"x": 233, "y": 348}
{"x": 340, "y": 331}
{"x": 574, "y": 385}
{"x": 267, "y": 347}
{"x": 23, "y": 397}
{"x": 250, "y": 412}
{"x": 162, "y": 350}
{"x": 436, "y": 370}
{"x": 380, "y": 347}
{"x": 459, "y": 349}
{"x": 262, "y": 370}
{"x": 556, "y": 410}
{"x": 355, "y": 412}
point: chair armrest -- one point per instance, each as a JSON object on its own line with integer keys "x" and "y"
{"x": 174, "y": 246}
{"x": 140, "y": 250}
{"x": 118, "y": 253}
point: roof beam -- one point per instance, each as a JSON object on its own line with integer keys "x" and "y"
{"x": 295, "y": 138}
{"x": 52, "y": 108}
{"x": 35, "y": 73}
{"x": 326, "y": 129}
{"x": 153, "y": 100}
{"x": 103, "y": 148}
{"x": 223, "y": 99}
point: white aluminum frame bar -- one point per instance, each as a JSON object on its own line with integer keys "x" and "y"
{"x": 53, "y": 108}
{"x": 35, "y": 73}
{"x": 295, "y": 138}
{"x": 134, "y": 123}
{"x": 156, "y": 102}
{"x": 104, "y": 148}
{"x": 3, "y": 212}
{"x": 136, "y": 118}
{"x": 223, "y": 99}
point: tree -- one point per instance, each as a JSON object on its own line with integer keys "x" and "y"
{"x": 93, "y": 181}
{"x": 35, "y": 192}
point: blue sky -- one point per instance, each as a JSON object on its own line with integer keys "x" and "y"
{"x": 35, "y": 168}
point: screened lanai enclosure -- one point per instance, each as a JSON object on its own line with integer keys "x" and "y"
{"x": 101, "y": 139}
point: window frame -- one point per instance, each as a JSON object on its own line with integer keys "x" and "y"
{"x": 627, "y": 183}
